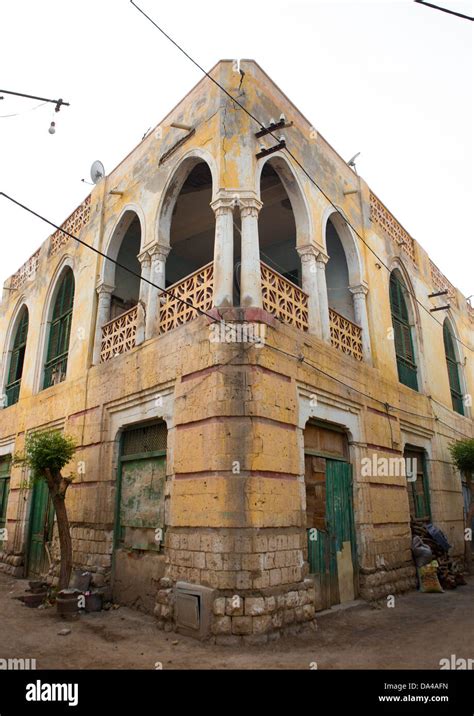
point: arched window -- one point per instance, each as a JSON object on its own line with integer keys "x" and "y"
{"x": 59, "y": 332}
{"x": 15, "y": 371}
{"x": 406, "y": 361}
{"x": 453, "y": 370}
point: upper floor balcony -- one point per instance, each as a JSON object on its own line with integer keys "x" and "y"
{"x": 216, "y": 249}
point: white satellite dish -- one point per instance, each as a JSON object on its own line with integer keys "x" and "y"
{"x": 97, "y": 171}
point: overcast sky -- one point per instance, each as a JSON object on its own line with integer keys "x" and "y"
{"x": 391, "y": 79}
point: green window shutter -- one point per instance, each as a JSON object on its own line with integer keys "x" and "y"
{"x": 453, "y": 370}
{"x": 15, "y": 370}
{"x": 5, "y": 465}
{"x": 59, "y": 332}
{"x": 405, "y": 354}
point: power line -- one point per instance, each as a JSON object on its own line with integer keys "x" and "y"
{"x": 285, "y": 147}
{"x": 19, "y": 114}
{"x": 445, "y": 9}
{"x": 300, "y": 359}
{"x": 385, "y": 404}
{"x": 100, "y": 253}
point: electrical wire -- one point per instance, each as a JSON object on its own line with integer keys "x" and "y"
{"x": 313, "y": 181}
{"x": 300, "y": 358}
{"x": 385, "y": 404}
{"x": 100, "y": 253}
{"x": 19, "y": 114}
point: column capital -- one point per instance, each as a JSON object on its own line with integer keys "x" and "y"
{"x": 223, "y": 205}
{"x": 158, "y": 252}
{"x": 307, "y": 253}
{"x": 249, "y": 206}
{"x": 104, "y": 288}
{"x": 322, "y": 258}
{"x": 359, "y": 290}
{"x": 144, "y": 258}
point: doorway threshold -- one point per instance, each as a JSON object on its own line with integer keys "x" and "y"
{"x": 340, "y": 607}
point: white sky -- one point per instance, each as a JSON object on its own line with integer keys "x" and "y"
{"x": 393, "y": 80}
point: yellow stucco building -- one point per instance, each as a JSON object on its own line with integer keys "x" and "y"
{"x": 242, "y": 436}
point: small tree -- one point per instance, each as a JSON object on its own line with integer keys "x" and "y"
{"x": 462, "y": 452}
{"x": 46, "y": 453}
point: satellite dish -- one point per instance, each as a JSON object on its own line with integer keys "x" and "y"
{"x": 97, "y": 171}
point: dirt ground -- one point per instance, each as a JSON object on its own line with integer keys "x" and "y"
{"x": 415, "y": 634}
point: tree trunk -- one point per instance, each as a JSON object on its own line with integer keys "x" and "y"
{"x": 65, "y": 542}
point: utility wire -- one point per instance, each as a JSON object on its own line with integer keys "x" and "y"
{"x": 313, "y": 181}
{"x": 385, "y": 404}
{"x": 100, "y": 253}
{"x": 445, "y": 9}
{"x": 19, "y": 114}
{"x": 204, "y": 313}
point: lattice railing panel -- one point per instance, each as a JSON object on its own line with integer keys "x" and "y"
{"x": 440, "y": 282}
{"x": 283, "y": 299}
{"x": 73, "y": 225}
{"x": 118, "y": 335}
{"x": 26, "y": 272}
{"x": 345, "y": 335}
{"x": 381, "y": 215}
{"x": 196, "y": 289}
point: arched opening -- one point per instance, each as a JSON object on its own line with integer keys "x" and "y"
{"x": 126, "y": 290}
{"x": 192, "y": 226}
{"x": 340, "y": 298}
{"x": 453, "y": 365}
{"x": 277, "y": 227}
{"x": 17, "y": 358}
{"x": 59, "y": 330}
{"x": 403, "y": 323}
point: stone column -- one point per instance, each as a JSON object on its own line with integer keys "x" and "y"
{"x": 308, "y": 256}
{"x": 360, "y": 312}
{"x": 145, "y": 262}
{"x": 223, "y": 252}
{"x": 158, "y": 254}
{"x": 104, "y": 292}
{"x": 321, "y": 261}
{"x": 250, "y": 274}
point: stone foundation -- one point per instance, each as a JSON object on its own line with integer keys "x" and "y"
{"x": 380, "y": 583}
{"x": 249, "y": 618}
{"x": 12, "y": 564}
{"x": 257, "y": 575}
{"x": 238, "y": 559}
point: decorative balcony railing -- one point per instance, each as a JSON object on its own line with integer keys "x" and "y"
{"x": 73, "y": 225}
{"x": 26, "y": 272}
{"x": 118, "y": 335}
{"x": 284, "y": 299}
{"x": 345, "y": 335}
{"x": 440, "y": 282}
{"x": 381, "y": 215}
{"x": 196, "y": 289}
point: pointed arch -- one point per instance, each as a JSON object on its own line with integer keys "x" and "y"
{"x": 293, "y": 188}
{"x": 130, "y": 223}
{"x": 173, "y": 186}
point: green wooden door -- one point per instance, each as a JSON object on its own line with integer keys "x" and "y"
{"x": 332, "y": 552}
{"x": 41, "y": 527}
{"x": 141, "y": 511}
